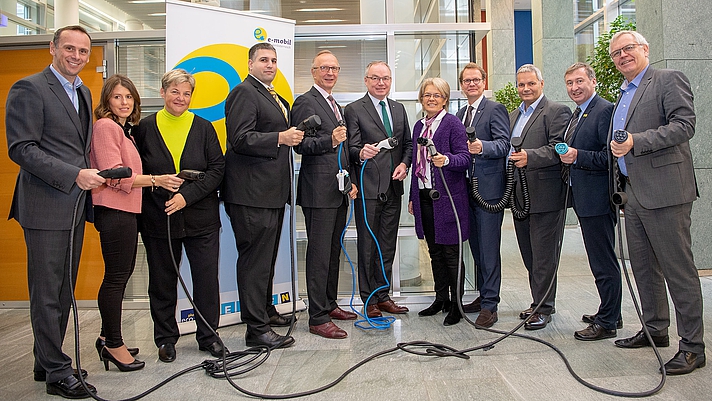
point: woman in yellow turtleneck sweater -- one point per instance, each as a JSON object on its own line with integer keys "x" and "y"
{"x": 172, "y": 140}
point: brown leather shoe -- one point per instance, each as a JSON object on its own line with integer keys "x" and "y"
{"x": 526, "y": 312}
{"x": 340, "y": 314}
{"x": 594, "y": 332}
{"x": 473, "y": 306}
{"x": 486, "y": 319}
{"x": 373, "y": 311}
{"x": 537, "y": 321}
{"x": 391, "y": 307}
{"x": 328, "y": 330}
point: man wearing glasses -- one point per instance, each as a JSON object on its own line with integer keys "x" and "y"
{"x": 489, "y": 157}
{"x": 369, "y": 121}
{"x": 322, "y": 199}
{"x": 656, "y": 109}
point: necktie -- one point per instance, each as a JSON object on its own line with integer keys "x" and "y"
{"x": 565, "y": 170}
{"x": 468, "y": 117}
{"x": 279, "y": 102}
{"x": 334, "y": 107}
{"x": 386, "y": 120}
{"x": 572, "y": 126}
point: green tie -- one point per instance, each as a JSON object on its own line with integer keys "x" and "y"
{"x": 386, "y": 121}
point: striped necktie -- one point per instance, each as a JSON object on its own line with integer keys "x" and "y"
{"x": 279, "y": 102}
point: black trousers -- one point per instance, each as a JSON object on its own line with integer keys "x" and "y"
{"x": 118, "y": 233}
{"x": 257, "y": 232}
{"x": 324, "y": 228}
{"x": 50, "y": 296}
{"x": 444, "y": 259}
{"x": 383, "y": 219}
{"x": 202, "y": 252}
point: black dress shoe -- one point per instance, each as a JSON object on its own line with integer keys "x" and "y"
{"x": 684, "y": 362}
{"x": 474, "y": 306}
{"x": 69, "y": 387}
{"x": 538, "y": 321}
{"x": 215, "y": 349}
{"x": 594, "y": 332}
{"x": 269, "y": 339}
{"x": 639, "y": 340}
{"x": 527, "y": 312}
{"x": 453, "y": 317}
{"x": 434, "y": 308}
{"x": 101, "y": 343}
{"x": 124, "y": 367}
{"x": 41, "y": 375}
{"x": 592, "y": 318}
{"x": 167, "y": 352}
{"x": 280, "y": 321}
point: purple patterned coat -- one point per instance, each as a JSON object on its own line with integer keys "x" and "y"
{"x": 450, "y": 140}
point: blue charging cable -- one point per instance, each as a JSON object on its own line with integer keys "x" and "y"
{"x": 366, "y": 323}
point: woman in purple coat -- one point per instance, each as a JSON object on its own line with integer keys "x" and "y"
{"x": 434, "y": 216}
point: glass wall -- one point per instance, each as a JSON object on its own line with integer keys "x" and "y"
{"x": 591, "y": 18}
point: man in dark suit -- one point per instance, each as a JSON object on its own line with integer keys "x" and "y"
{"x": 489, "y": 157}
{"x": 585, "y": 171}
{"x": 321, "y": 197}
{"x": 656, "y": 108}
{"x": 256, "y": 189}
{"x": 370, "y": 120}
{"x": 541, "y": 124}
{"x": 48, "y": 123}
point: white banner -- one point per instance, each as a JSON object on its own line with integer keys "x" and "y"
{"x": 212, "y": 44}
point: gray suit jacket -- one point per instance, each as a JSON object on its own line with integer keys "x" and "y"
{"x": 661, "y": 119}
{"x": 542, "y": 132}
{"x": 50, "y": 143}
{"x": 365, "y": 126}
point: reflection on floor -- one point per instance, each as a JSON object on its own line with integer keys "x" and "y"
{"x": 514, "y": 369}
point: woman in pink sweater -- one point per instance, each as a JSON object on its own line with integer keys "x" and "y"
{"x": 116, "y": 207}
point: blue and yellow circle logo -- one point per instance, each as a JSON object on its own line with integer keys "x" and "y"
{"x": 260, "y": 34}
{"x": 217, "y": 70}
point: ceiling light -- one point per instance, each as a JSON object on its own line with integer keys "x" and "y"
{"x": 319, "y": 9}
{"x": 321, "y": 21}
{"x": 157, "y": 15}
{"x": 146, "y": 1}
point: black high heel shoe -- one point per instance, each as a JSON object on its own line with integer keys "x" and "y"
{"x": 124, "y": 367}
{"x": 100, "y": 344}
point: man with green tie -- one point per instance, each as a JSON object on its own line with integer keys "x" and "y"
{"x": 369, "y": 121}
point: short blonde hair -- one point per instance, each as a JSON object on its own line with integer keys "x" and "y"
{"x": 177, "y": 77}
{"x": 440, "y": 84}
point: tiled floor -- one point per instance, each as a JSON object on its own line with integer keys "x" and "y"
{"x": 515, "y": 369}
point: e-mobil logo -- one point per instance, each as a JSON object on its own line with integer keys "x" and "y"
{"x": 187, "y": 315}
{"x": 261, "y": 36}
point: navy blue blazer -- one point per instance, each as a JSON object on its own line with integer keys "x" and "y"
{"x": 491, "y": 123}
{"x": 589, "y": 175}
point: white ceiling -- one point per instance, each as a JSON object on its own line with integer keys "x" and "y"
{"x": 349, "y": 12}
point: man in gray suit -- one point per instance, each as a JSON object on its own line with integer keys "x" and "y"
{"x": 656, "y": 108}
{"x": 370, "y": 120}
{"x": 48, "y": 125}
{"x": 541, "y": 124}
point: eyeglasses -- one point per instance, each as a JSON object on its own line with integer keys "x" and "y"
{"x": 475, "y": 81}
{"x": 435, "y": 96}
{"x": 627, "y": 49}
{"x": 375, "y": 79}
{"x": 325, "y": 68}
